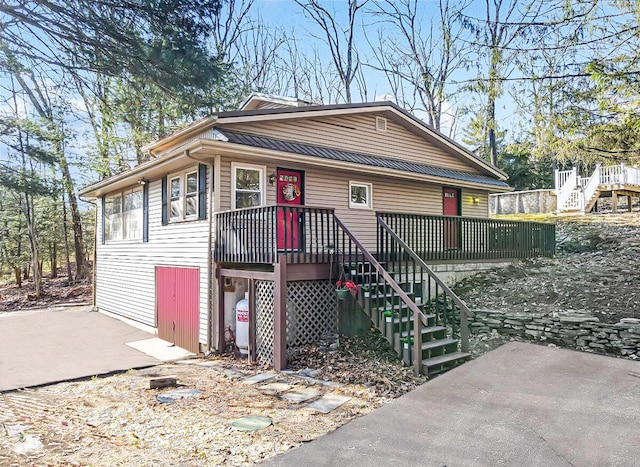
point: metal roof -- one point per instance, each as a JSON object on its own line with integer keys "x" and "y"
{"x": 357, "y": 158}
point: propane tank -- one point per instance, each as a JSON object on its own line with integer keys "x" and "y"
{"x": 242, "y": 324}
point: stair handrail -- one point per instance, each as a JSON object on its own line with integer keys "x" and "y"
{"x": 566, "y": 188}
{"x": 592, "y": 186}
{"x": 418, "y": 315}
{"x": 465, "y": 312}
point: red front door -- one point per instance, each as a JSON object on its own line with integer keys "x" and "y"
{"x": 451, "y": 207}
{"x": 289, "y": 192}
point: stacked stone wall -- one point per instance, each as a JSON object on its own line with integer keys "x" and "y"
{"x": 573, "y": 330}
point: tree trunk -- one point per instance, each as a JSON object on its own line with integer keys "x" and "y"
{"x": 17, "y": 273}
{"x": 76, "y": 220}
{"x": 65, "y": 231}
{"x": 493, "y": 151}
{"x": 54, "y": 260}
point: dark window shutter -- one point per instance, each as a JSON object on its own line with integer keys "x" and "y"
{"x": 165, "y": 212}
{"x": 104, "y": 203}
{"x": 202, "y": 191}
{"x": 145, "y": 212}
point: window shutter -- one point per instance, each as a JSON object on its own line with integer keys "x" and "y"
{"x": 165, "y": 212}
{"x": 145, "y": 212}
{"x": 202, "y": 191}
{"x": 104, "y": 203}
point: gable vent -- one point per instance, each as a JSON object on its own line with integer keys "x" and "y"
{"x": 381, "y": 124}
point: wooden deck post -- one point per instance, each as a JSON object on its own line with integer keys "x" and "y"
{"x": 253, "y": 354}
{"x": 280, "y": 314}
{"x": 614, "y": 202}
{"x": 629, "y": 203}
{"x": 220, "y": 299}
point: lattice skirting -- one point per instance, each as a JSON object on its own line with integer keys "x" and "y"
{"x": 311, "y": 312}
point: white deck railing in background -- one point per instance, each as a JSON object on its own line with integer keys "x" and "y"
{"x": 563, "y": 175}
{"x": 575, "y": 192}
{"x": 567, "y": 180}
{"x": 632, "y": 175}
{"x": 612, "y": 175}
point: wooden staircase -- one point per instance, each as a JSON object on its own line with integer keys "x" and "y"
{"x": 424, "y": 321}
{"x": 438, "y": 351}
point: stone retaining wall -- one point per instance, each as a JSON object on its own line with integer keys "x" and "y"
{"x": 574, "y": 330}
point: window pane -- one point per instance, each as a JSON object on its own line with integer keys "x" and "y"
{"x": 175, "y": 188}
{"x": 247, "y": 199}
{"x": 133, "y": 201}
{"x": 359, "y": 195}
{"x": 113, "y": 205}
{"x": 248, "y": 179}
{"x": 192, "y": 205}
{"x": 133, "y": 224}
{"x": 176, "y": 208}
{"x": 192, "y": 182}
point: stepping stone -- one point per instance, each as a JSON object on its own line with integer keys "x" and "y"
{"x": 251, "y": 423}
{"x": 273, "y": 389}
{"x": 177, "y": 394}
{"x": 15, "y": 429}
{"x": 259, "y": 378}
{"x": 332, "y": 384}
{"x": 27, "y": 444}
{"x": 301, "y": 395}
{"x": 328, "y": 402}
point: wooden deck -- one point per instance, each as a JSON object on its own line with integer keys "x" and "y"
{"x": 576, "y": 193}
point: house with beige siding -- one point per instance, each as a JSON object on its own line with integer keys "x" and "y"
{"x": 281, "y": 199}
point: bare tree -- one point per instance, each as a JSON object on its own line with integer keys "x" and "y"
{"x": 340, "y": 39}
{"x": 418, "y": 62}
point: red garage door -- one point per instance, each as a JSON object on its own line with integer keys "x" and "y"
{"x": 178, "y": 306}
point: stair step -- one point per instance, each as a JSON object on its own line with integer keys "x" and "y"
{"x": 425, "y": 330}
{"x": 446, "y": 358}
{"x": 438, "y": 343}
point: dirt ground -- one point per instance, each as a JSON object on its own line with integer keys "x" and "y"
{"x": 595, "y": 271}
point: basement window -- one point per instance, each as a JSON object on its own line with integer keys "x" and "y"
{"x": 360, "y": 195}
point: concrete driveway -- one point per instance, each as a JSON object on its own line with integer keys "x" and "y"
{"x": 40, "y": 347}
{"x": 519, "y": 405}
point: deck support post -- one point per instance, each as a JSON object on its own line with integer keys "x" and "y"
{"x": 220, "y": 320}
{"x": 280, "y": 314}
{"x": 629, "y": 203}
{"x": 614, "y": 202}
{"x": 253, "y": 354}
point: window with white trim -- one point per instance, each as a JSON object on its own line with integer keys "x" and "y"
{"x": 123, "y": 214}
{"x": 183, "y": 196}
{"x": 247, "y": 182}
{"x": 360, "y": 195}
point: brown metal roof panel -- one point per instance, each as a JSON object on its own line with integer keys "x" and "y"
{"x": 357, "y": 158}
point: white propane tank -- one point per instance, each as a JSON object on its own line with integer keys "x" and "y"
{"x": 242, "y": 324}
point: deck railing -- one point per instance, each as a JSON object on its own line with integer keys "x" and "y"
{"x": 260, "y": 234}
{"x": 443, "y": 238}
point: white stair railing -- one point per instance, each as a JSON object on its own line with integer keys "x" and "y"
{"x": 566, "y": 182}
{"x": 592, "y": 186}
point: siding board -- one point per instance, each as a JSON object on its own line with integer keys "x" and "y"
{"x": 357, "y": 133}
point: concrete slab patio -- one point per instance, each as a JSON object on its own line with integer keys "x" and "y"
{"x": 40, "y": 347}
{"x": 521, "y": 404}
